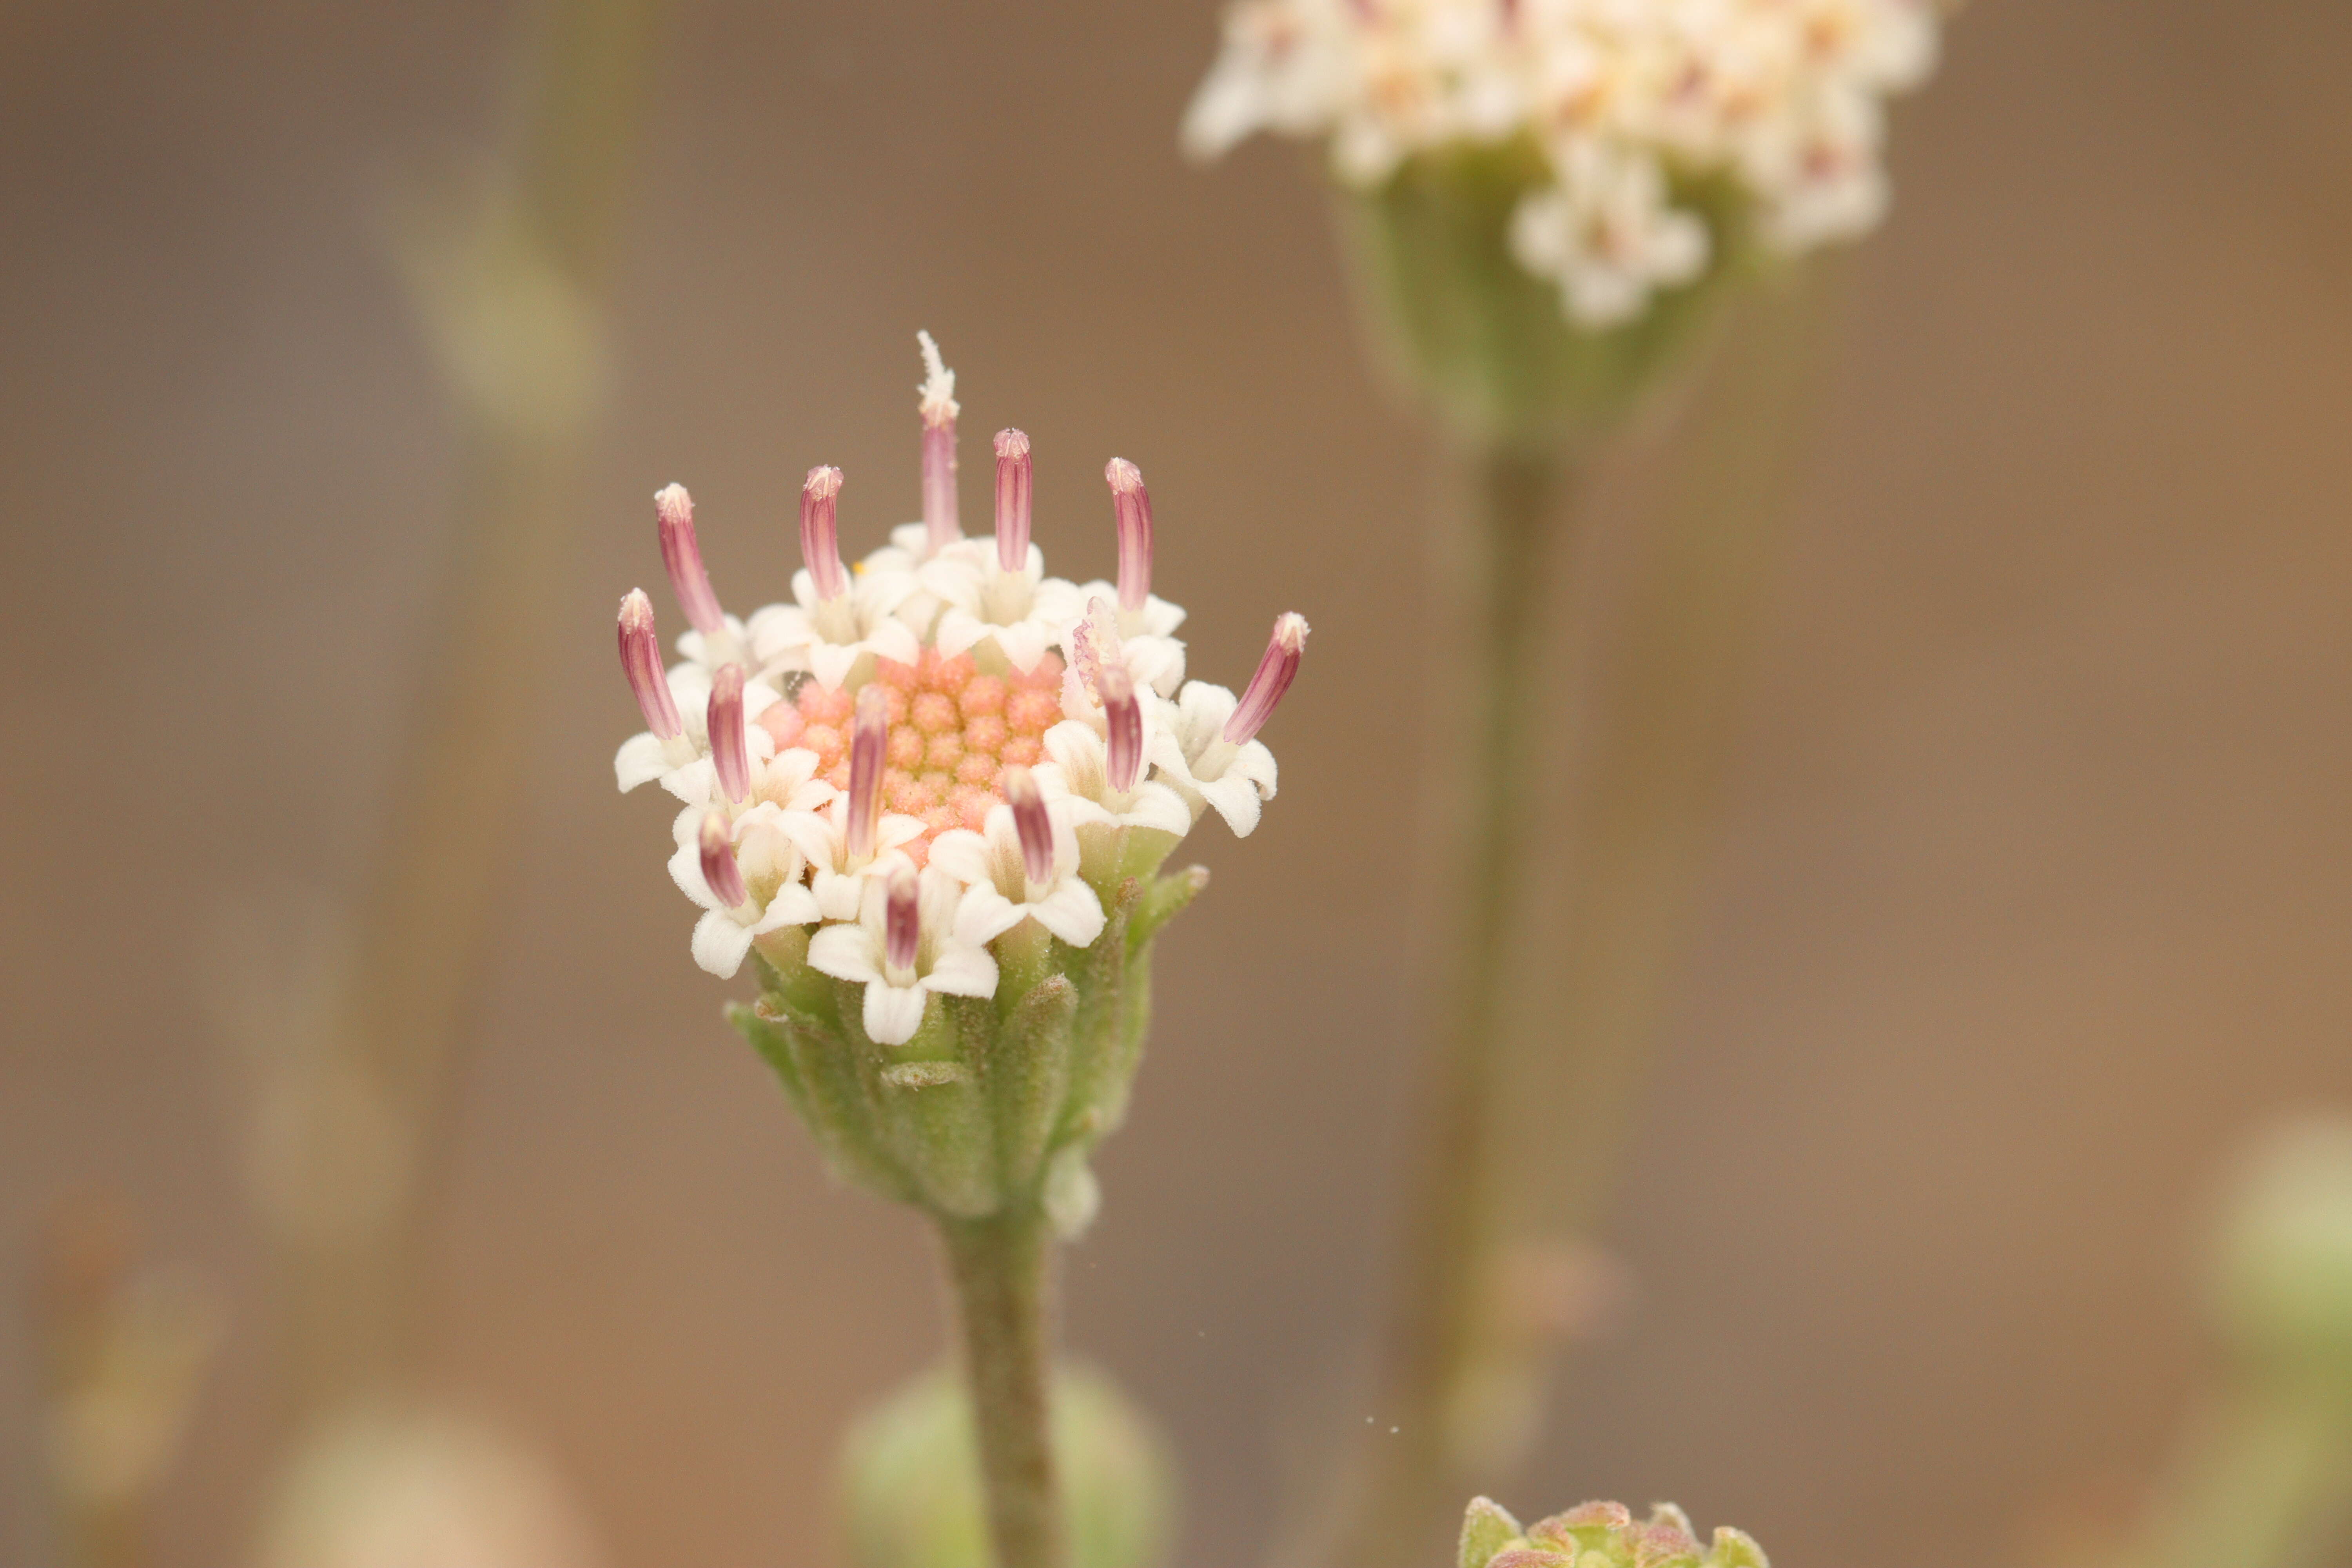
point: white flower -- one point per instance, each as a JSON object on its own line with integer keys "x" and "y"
{"x": 902, "y": 947}
{"x": 1195, "y": 760}
{"x": 746, "y": 876}
{"x": 1024, "y": 864}
{"x": 1206, "y": 747}
{"x": 837, "y": 617}
{"x": 1608, "y": 235}
{"x": 1080, "y": 768}
{"x": 1781, "y": 96}
{"x": 675, "y": 747}
{"x": 837, "y": 877}
{"x": 696, "y": 780}
{"x": 1023, "y": 612}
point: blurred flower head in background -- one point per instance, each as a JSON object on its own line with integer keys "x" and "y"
{"x": 1638, "y": 109}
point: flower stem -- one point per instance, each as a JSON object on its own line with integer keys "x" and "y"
{"x": 1442, "y": 1320}
{"x": 1002, "y": 1267}
{"x": 1525, "y": 1123}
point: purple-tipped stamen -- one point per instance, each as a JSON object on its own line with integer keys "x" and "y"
{"x": 902, "y": 919}
{"x": 1132, "y": 502}
{"x": 673, "y": 515}
{"x": 869, "y": 748}
{"x": 820, "y": 532}
{"x": 729, "y": 753}
{"x": 1031, "y": 823}
{"x": 1123, "y": 721}
{"x": 640, "y": 662}
{"x": 940, "y": 524}
{"x": 720, "y": 872}
{"x": 1012, "y": 500}
{"x": 1275, "y": 673}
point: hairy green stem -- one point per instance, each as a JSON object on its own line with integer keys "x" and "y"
{"x": 1002, "y": 1269}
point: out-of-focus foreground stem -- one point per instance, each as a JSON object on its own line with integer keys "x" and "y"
{"x": 510, "y": 287}
{"x": 1542, "y": 1023}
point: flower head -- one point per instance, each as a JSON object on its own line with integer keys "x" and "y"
{"x": 1631, "y": 104}
{"x": 938, "y": 746}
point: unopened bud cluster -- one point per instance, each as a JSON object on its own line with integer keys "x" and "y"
{"x": 1631, "y": 105}
{"x": 1600, "y": 1535}
{"x": 932, "y": 794}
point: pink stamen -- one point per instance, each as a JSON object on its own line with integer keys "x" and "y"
{"x": 1123, "y": 719}
{"x": 820, "y": 532}
{"x": 869, "y": 752}
{"x": 1030, "y": 821}
{"x": 673, "y": 515}
{"x": 1275, "y": 673}
{"x": 902, "y": 920}
{"x": 729, "y": 753}
{"x": 1012, "y": 500}
{"x": 640, "y": 662}
{"x": 720, "y": 872}
{"x": 940, "y": 524}
{"x": 1132, "y": 502}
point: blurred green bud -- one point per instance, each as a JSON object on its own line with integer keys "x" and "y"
{"x": 913, "y": 1487}
{"x": 1483, "y": 343}
{"x": 994, "y": 1103}
{"x": 1600, "y": 1535}
{"x": 2283, "y": 1274}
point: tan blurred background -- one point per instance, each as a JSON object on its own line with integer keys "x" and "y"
{"x": 2037, "y": 878}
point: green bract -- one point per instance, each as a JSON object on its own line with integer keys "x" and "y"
{"x": 994, "y": 1104}
{"x": 1484, "y": 341}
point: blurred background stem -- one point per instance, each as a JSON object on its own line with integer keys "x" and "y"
{"x": 1534, "y": 1056}
{"x": 1509, "y": 540}
{"x": 509, "y": 277}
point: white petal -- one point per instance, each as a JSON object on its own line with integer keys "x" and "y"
{"x": 831, "y": 662}
{"x": 845, "y": 953}
{"x": 895, "y": 640}
{"x": 794, "y": 905}
{"x": 961, "y": 971}
{"x": 640, "y": 759}
{"x": 685, "y": 870}
{"x": 961, "y": 854}
{"x": 696, "y": 783}
{"x": 814, "y": 834}
{"x": 959, "y": 630}
{"x": 836, "y": 894}
{"x": 1156, "y": 806}
{"x": 893, "y": 1014}
{"x": 1072, "y": 912}
{"x": 1255, "y": 763}
{"x": 1236, "y": 800}
{"x": 1201, "y": 710}
{"x": 720, "y": 941}
{"x": 985, "y": 914}
{"x": 1025, "y": 644}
